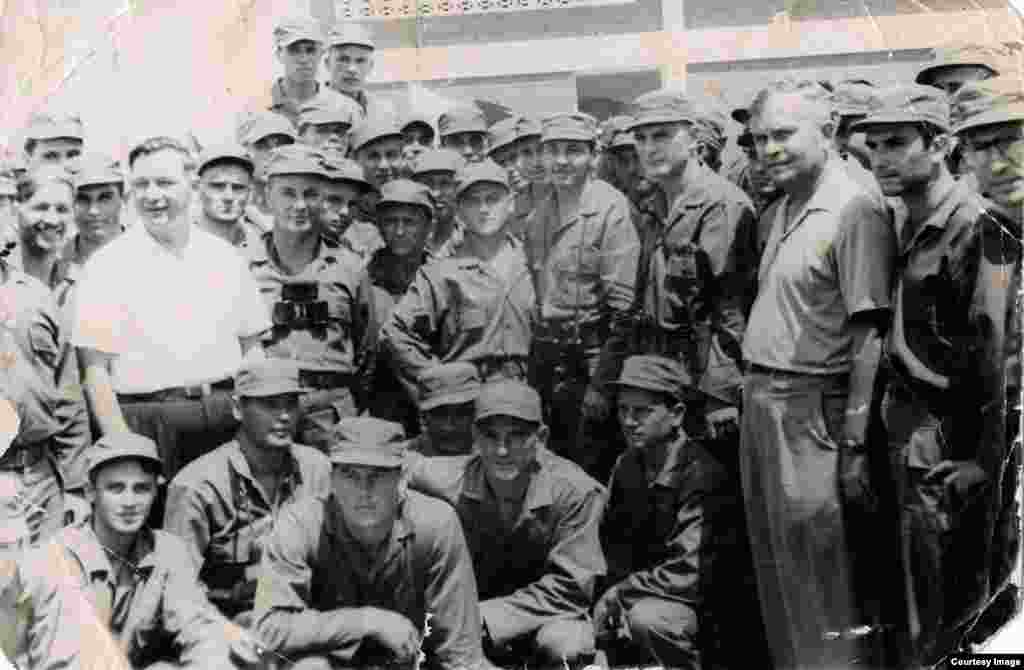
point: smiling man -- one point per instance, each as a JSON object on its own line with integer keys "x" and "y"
{"x": 812, "y": 346}
{"x": 224, "y": 503}
{"x": 141, "y": 368}
{"x": 478, "y": 304}
{"x": 349, "y": 580}
{"x": 318, "y": 293}
{"x": 518, "y": 500}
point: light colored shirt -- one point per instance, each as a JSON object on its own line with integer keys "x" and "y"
{"x": 170, "y": 320}
{"x": 835, "y": 260}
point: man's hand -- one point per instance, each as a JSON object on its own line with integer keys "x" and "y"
{"x": 394, "y": 631}
{"x": 595, "y": 405}
{"x": 606, "y": 613}
{"x": 246, "y": 650}
{"x": 962, "y": 476}
{"x": 854, "y": 477}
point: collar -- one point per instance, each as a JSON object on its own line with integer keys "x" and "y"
{"x": 279, "y": 96}
{"x": 238, "y": 462}
{"x": 589, "y": 204}
{"x": 86, "y": 546}
{"x": 832, "y": 185}
{"x": 360, "y": 97}
{"x": 334, "y": 522}
{"x": 695, "y": 192}
{"x": 538, "y": 492}
{"x": 952, "y": 193}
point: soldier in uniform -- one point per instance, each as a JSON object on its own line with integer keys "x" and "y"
{"x": 446, "y": 396}
{"x": 377, "y": 146}
{"x": 45, "y": 213}
{"x": 349, "y": 62}
{"x": 709, "y": 139}
{"x": 990, "y": 125}
{"x": 419, "y": 138}
{"x": 54, "y": 140}
{"x": 436, "y": 169}
{"x": 620, "y": 163}
{"x": 136, "y": 585}
{"x": 325, "y": 124}
{"x": 529, "y": 164}
{"x": 517, "y": 499}
{"x": 476, "y": 305}
{"x": 224, "y": 503}
{"x": 225, "y": 187}
{"x": 583, "y": 250}
{"x": 300, "y": 45}
{"x": 812, "y": 348}
{"x": 464, "y": 130}
{"x": 953, "y": 65}
{"x": 318, "y": 294}
{"x": 99, "y": 200}
{"x": 672, "y": 534}
{"x": 350, "y": 580}
{"x": 260, "y": 133}
{"x": 508, "y": 139}
{"x": 343, "y": 191}
{"x": 696, "y": 279}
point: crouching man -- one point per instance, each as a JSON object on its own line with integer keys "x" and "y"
{"x": 112, "y": 590}
{"x": 671, "y": 523}
{"x": 348, "y": 581}
{"x": 531, "y": 519}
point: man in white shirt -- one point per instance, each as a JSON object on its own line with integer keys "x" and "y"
{"x": 165, "y": 314}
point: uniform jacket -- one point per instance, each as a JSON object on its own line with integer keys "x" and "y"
{"x": 311, "y": 584}
{"x": 69, "y": 587}
{"x": 223, "y": 514}
{"x": 550, "y": 558}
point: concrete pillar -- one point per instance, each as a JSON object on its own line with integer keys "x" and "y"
{"x": 673, "y": 47}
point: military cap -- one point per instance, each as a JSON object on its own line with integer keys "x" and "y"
{"x": 405, "y": 192}
{"x": 908, "y": 103}
{"x": 569, "y": 126}
{"x": 657, "y": 374}
{"x": 295, "y": 159}
{"x": 503, "y": 133}
{"x": 8, "y": 185}
{"x": 417, "y": 119}
{"x": 297, "y": 28}
{"x": 855, "y": 99}
{"x": 527, "y": 127}
{"x": 960, "y": 55}
{"x": 439, "y": 160}
{"x": 96, "y": 169}
{"x": 340, "y": 168}
{"x": 983, "y": 103}
{"x": 52, "y": 126}
{"x": 228, "y": 153}
{"x": 663, "y": 106}
{"x": 268, "y": 377}
{"x": 336, "y": 109}
{"x": 483, "y": 172}
{"x": 122, "y": 444}
{"x": 615, "y": 132}
{"x": 373, "y": 129}
{"x": 462, "y": 119}
{"x": 448, "y": 384}
{"x": 350, "y": 33}
{"x": 264, "y": 124}
{"x": 508, "y": 397}
{"x": 365, "y": 440}
{"x": 710, "y": 126}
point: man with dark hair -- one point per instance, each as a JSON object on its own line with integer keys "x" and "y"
{"x": 223, "y": 504}
{"x": 812, "y": 347}
{"x": 672, "y": 535}
{"x": 518, "y": 500}
{"x": 137, "y": 584}
{"x": 446, "y": 396}
{"x": 359, "y": 577}
{"x": 141, "y": 368}
{"x": 225, "y": 188}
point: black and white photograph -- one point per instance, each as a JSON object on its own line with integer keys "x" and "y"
{"x": 511, "y": 334}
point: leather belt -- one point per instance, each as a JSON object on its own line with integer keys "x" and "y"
{"x": 179, "y": 392}
{"x": 322, "y": 380}
{"x": 23, "y": 457}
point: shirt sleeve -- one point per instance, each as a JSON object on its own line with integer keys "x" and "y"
{"x": 185, "y": 517}
{"x": 408, "y": 332}
{"x": 451, "y": 598}
{"x": 253, "y": 314}
{"x": 865, "y": 253}
{"x": 283, "y": 614}
{"x": 574, "y": 563}
{"x": 99, "y": 318}
{"x": 620, "y": 255}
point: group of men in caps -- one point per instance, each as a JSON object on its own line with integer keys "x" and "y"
{"x": 549, "y": 390}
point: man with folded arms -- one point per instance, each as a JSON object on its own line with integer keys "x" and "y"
{"x": 349, "y": 581}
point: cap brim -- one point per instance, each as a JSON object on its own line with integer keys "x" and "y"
{"x": 454, "y": 398}
{"x": 227, "y": 158}
{"x": 890, "y": 119}
{"x": 463, "y": 188}
{"x": 354, "y": 42}
{"x": 370, "y": 140}
{"x": 655, "y": 119}
{"x": 273, "y": 391}
{"x": 82, "y": 181}
{"x": 926, "y": 75}
{"x": 990, "y": 118}
{"x": 302, "y": 37}
{"x": 106, "y": 459}
{"x": 370, "y": 457}
{"x": 568, "y": 136}
{"x": 740, "y": 115}
{"x": 501, "y": 145}
{"x": 387, "y": 202}
{"x": 505, "y": 411}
